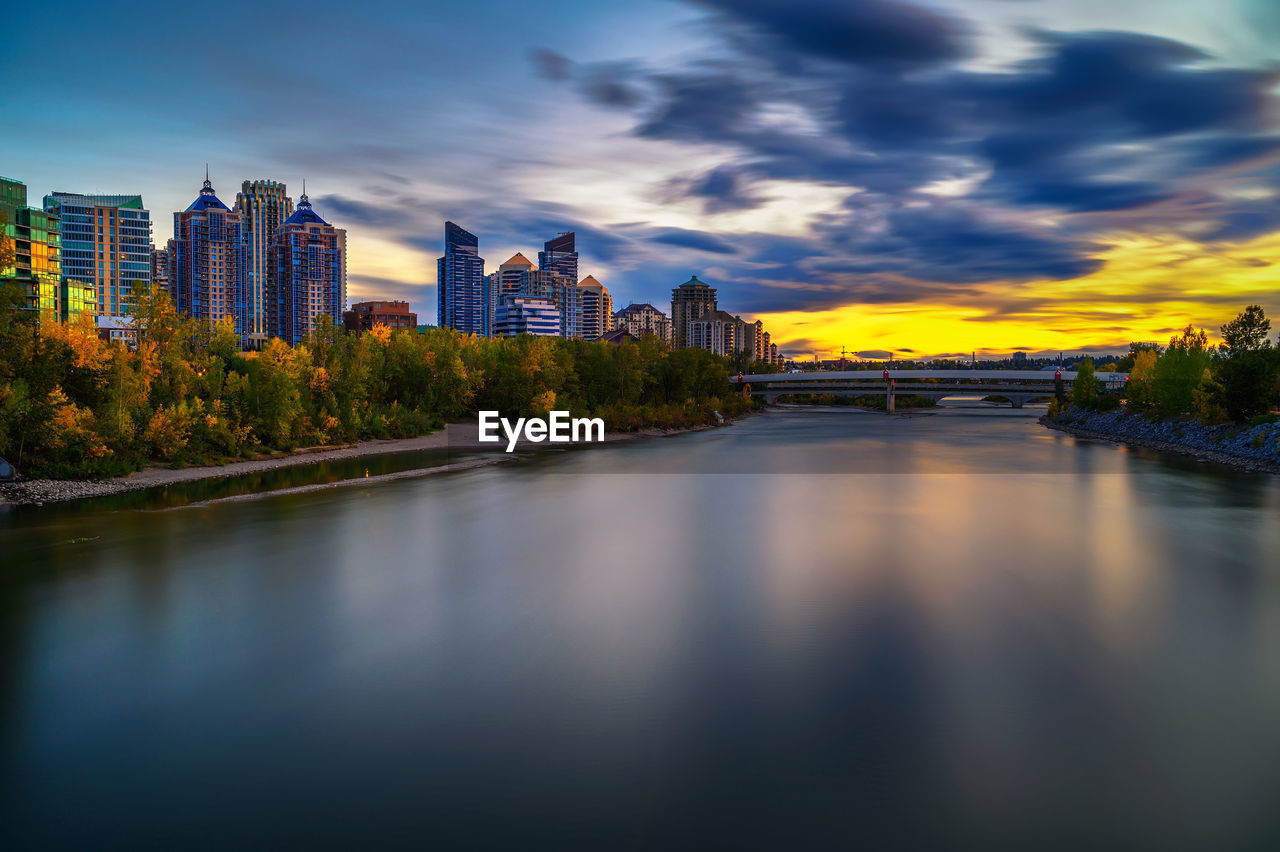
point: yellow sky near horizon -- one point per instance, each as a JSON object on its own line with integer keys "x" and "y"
{"x": 1147, "y": 288}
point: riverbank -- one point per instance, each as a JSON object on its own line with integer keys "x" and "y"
{"x": 1255, "y": 448}
{"x": 461, "y": 438}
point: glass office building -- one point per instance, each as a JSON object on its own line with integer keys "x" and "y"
{"x": 462, "y": 298}
{"x": 106, "y": 242}
{"x": 37, "y": 245}
{"x": 559, "y": 256}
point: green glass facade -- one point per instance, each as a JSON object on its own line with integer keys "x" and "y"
{"x": 37, "y": 244}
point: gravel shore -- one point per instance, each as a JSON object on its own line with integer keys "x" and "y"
{"x": 456, "y": 437}
{"x": 1255, "y": 448}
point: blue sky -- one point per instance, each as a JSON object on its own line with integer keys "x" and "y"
{"x": 866, "y": 171}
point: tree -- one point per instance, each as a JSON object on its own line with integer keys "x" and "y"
{"x": 1125, "y": 364}
{"x": 1247, "y": 332}
{"x": 1086, "y": 387}
{"x": 1141, "y": 377}
{"x": 1179, "y": 371}
{"x": 1245, "y": 377}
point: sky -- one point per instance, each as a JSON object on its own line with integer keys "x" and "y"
{"x": 926, "y": 178}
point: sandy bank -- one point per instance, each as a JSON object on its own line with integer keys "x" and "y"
{"x": 460, "y": 438}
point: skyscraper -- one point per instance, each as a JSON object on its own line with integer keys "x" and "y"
{"x": 559, "y": 257}
{"x": 37, "y": 246}
{"x": 306, "y": 275}
{"x": 692, "y": 300}
{"x": 106, "y": 242}
{"x": 160, "y": 268}
{"x": 263, "y": 206}
{"x": 461, "y": 298}
{"x": 209, "y": 265}
{"x": 507, "y": 281}
{"x": 597, "y": 308}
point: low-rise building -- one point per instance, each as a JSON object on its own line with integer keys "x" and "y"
{"x": 119, "y": 329}
{"x": 527, "y": 315}
{"x": 364, "y": 315}
{"x": 640, "y": 320}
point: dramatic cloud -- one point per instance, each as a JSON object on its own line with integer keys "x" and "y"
{"x": 957, "y": 177}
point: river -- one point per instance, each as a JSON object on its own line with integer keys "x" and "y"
{"x": 815, "y": 629}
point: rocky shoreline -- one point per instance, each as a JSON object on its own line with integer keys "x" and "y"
{"x": 1252, "y": 448}
{"x": 460, "y": 437}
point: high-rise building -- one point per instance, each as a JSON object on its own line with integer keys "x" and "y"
{"x": 597, "y": 308}
{"x": 106, "y": 242}
{"x": 509, "y": 280}
{"x": 342, "y": 251}
{"x": 559, "y": 256}
{"x": 461, "y": 289}
{"x": 692, "y": 300}
{"x": 640, "y": 320}
{"x": 306, "y": 275}
{"x": 263, "y": 206}
{"x": 160, "y": 262}
{"x": 527, "y": 315}
{"x": 722, "y": 333}
{"x": 363, "y": 316}
{"x": 566, "y": 296}
{"x": 36, "y": 242}
{"x": 209, "y": 261}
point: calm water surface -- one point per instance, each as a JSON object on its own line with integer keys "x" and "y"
{"x": 816, "y": 629}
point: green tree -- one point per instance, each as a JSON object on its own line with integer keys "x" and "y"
{"x": 1244, "y": 378}
{"x": 1179, "y": 371}
{"x": 1086, "y": 387}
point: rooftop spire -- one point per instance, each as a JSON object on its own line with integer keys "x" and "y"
{"x": 208, "y": 187}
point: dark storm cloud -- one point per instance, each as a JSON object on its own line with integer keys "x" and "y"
{"x": 1101, "y": 129}
{"x": 697, "y": 240}
{"x": 873, "y": 33}
{"x": 952, "y": 243}
{"x": 721, "y": 189}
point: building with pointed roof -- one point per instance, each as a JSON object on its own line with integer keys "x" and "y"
{"x": 306, "y": 275}
{"x": 208, "y": 262}
{"x": 507, "y": 281}
{"x": 597, "y": 308}
{"x": 692, "y": 300}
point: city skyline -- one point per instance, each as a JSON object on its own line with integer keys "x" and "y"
{"x": 979, "y": 175}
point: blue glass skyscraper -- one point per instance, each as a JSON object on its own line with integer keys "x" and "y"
{"x": 462, "y": 297}
{"x": 210, "y": 270}
{"x": 305, "y": 280}
{"x": 559, "y": 256}
{"x": 106, "y": 243}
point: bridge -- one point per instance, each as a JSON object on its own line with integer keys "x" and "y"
{"x": 1017, "y": 386}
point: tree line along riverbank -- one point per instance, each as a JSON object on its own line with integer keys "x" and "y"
{"x": 1214, "y": 402}
{"x": 73, "y": 406}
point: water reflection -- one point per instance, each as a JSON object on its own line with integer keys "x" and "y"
{"x": 971, "y": 630}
